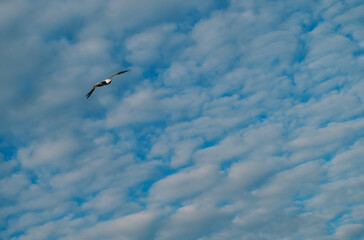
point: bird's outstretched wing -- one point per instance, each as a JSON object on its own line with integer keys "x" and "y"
{"x": 118, "y": 73}
{"x": 90, "y": 92}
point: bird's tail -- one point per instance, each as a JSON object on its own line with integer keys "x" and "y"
{"x": 89, "y": 93}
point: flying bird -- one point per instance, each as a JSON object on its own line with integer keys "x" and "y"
{"x": 105, "y": 82}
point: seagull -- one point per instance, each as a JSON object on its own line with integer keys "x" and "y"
{"x": 105, "y": 82}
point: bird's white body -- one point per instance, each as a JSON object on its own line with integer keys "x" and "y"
{"x": 103, "y": 83}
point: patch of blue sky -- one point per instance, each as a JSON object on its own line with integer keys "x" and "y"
{"x": 7, "y": 151}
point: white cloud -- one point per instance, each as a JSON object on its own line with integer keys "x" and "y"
{"x": 184, "y": 184}
{"x": 347, "y": 163}
{"x": 149, "y": 105}
{"x": 135, "y": 226}
{"x": 49, "y": 152}
{"x": 183, "y": 152}
{"x": 350, "y": 231}
{"x": 11, "y": 187}
{"x": 158, "y": 45}
{"x": 199, "y": 221}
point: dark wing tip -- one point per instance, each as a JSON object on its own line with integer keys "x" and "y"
{"x": 122, "y": 72}
{"x": 118, "y": 73}
{"x": 89, "y": 93}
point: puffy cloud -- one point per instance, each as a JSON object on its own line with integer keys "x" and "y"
{"x": 184, "y": 184}
{"x": 199, "y": 220}
{"x": 139, "y": 225}
{"x": 350, "y": 231}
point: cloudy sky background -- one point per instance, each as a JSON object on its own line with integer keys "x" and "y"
{"x": 240, "y": 119}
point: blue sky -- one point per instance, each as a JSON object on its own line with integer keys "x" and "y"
{"x": 240, "y": 119}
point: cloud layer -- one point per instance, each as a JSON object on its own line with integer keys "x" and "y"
{"x": 239, "y": 120}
